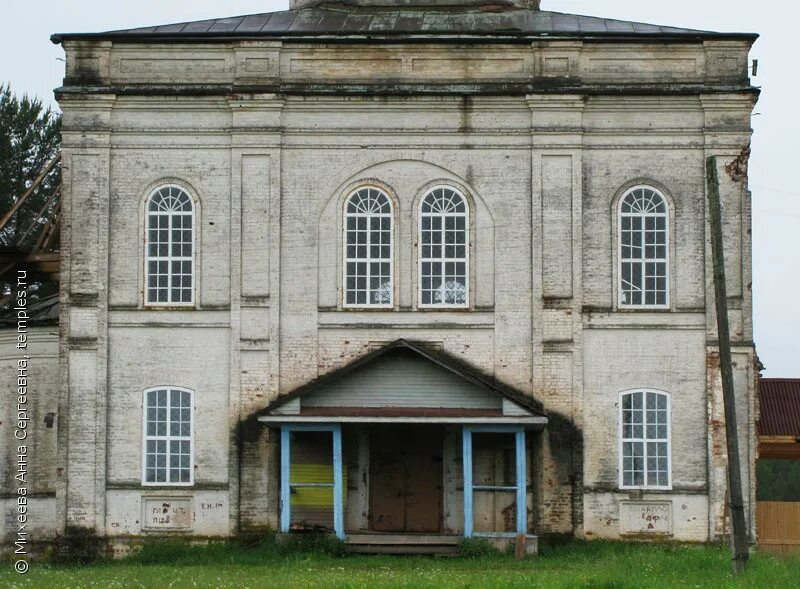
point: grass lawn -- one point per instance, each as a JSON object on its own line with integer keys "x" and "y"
{"x": 602, "y": 565}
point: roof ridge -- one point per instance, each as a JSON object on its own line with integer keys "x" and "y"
{"x": 344, "y": 20}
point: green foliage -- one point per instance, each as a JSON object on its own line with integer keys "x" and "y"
{"x": 778, "y": 480}
{"x": 30, "y": 136}
{"x": 306, "y": 544}
{"x": 272, "y": 563}
{"x": 78, "y": 546}
{"x": 476, "y": 548}
{"x": 270, "y": 547}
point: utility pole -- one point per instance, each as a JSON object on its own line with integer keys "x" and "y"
{"x": 739, "y": 534}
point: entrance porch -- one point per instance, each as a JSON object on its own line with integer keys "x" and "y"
{"x": 410, "y": 463}
{"x": 405, "y": 487}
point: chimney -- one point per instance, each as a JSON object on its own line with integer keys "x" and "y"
{"x": 529, "y": 4}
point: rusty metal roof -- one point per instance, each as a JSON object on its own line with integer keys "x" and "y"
{"x": 40, "y": 312}
{"x": 491, "y": 20}
{"x": 780, "y": 407}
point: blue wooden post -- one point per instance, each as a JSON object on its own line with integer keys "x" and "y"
{"x": 338, "y": 491}
{"x": 522, "y": 480}
{"x": 286, "y": 495}
{"x": 466, "y": 436}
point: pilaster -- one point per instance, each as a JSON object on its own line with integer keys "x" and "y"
{"x": 557, "y": 193}
{"x": 255, "y": 228}
{"x": 83, "y": 407}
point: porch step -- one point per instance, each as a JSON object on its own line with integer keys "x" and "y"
{"x": 402, "y": 544}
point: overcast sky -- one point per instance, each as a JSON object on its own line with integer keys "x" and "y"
{"x": 33, "y": 65}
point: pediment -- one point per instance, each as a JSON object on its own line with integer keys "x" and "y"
{"x": 404, "y": 380}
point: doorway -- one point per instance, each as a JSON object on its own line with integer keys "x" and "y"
{"x": 406, "y": 479}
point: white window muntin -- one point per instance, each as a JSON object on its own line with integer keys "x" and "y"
{"x": 169, "y": 247}
{"x": 443, "y": 249}
{"x": 368, "y": 236}
{"x": 168, "y": 436}
{"x": 645, "y": 434}
{"x": 643, "y": 250}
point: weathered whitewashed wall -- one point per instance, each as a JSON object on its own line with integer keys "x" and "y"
{"x": 40, "y": 441}
{"x": 268, "y": 172}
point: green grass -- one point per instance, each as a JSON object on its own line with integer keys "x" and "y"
{"x": 594, "y": 565}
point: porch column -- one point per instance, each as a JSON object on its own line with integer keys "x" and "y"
{"x": 286, "y": 491}
{"x": 468, "y": 492}
{"x": 522, "y": 503}
{"x": 338, "y": 499}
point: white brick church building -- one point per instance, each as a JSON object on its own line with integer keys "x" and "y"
{"x": 426, "y": 267}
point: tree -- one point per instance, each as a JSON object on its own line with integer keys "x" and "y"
{"x": 30, "y": 136}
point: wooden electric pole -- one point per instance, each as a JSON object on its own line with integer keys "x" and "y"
{"x": 739, "y": 533}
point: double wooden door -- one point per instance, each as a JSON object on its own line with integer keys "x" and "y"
{"x": 406, "y": 479}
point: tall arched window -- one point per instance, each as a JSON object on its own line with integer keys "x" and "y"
{"x": 169, "y": 247}
{"x": 368, "y": 249}
{"x": 444, "y": 249}
{"x": 643, "y": 249}
{"x": 645, "y": 453}
{"x": 168, "y": 436}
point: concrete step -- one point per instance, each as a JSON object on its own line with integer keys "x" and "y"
{"x": 402, "y": 544}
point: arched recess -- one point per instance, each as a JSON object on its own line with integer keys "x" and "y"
{"x": 405, "y": 181}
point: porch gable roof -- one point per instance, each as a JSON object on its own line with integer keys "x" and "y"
{"x": 476, "y": 383}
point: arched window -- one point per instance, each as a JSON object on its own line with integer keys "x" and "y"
{"x": 444, "y": 249}
{"x": 168, "y": 436}
{"x": 645, "y": 453}
{"x": 644, "y": 249}
{"x": 169, "y": 247}
{"x": 368, "y": 249}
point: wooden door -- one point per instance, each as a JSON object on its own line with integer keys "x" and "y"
{"x": 406, "y": 480}
{"x": 387, "y": 484}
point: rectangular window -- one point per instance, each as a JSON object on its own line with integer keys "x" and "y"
{"x": 645, "y": 452}
{"x": 168, "y": 437}
{"x": 444, "y": 249}
{"x": 368, "y": 250}
{"x": 643, "y": 249}
{"x": 169, "y": 258}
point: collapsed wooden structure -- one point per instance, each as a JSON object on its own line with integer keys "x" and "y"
{"x": 34, "y": 249}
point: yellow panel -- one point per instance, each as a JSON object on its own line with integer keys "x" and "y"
{"x": 314, "y": 496}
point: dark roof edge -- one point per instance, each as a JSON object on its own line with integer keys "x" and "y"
{"x": 428, "y": 36}
{"x": 544, "y": 86}
{"x": 769, "y": 379}
{"x": 458, "y": 367}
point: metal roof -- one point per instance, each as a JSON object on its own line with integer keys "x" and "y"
{"x": 490, "y": 20}
{"x": 780, "y": 407}
{"x": 41, "y": 312}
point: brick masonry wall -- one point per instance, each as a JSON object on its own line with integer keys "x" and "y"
{"x": 269, "y": 175}
{"x": 42, "y": 405}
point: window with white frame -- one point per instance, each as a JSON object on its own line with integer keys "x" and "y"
{"x": 645, "y": 454}
{"x": 444, "y": 249}
{"x": 643, "y": 249}
{"x": 167, "y": 436}
{"x": 169, "y": 247}
{"x": 368, "y": 249}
